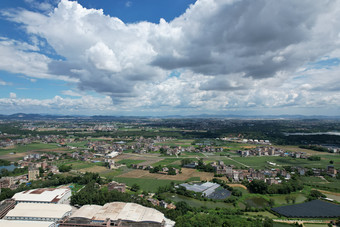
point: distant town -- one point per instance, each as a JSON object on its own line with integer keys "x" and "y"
{"x": 166, "y": 172}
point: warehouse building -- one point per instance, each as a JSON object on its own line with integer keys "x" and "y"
{"x": 117, "y": 214}
{"x": 43, "y": 195}
{"x": 39, "y": 212}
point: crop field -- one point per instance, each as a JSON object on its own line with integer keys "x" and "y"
{"x": 187, "y": 174}
{"x": 79, "y": 165}
{"x": 236, "y": 146}
{"x": 261, "y": 162}
{"x": 29, "y": 147}
{"x": 329, "y": 184}
{"x": 150, "y": 185}
{"x": 93, "y": 169}
{"x": 109, "y": 173}
{"x": 315, "y": 225}
{"x": 78, "y": 144}
{"x": 331, "y": 195}
{"x": 191, "y": 155}
{"x": 311, "y": 179}
{"x": 196, "y": 203}
{"x": 129, "y": 161}
{"x": 166, "y": 161}
{"x": 291, "y": 148}
{"x": 17, "y": 153}
{"x": 178, "y": 142}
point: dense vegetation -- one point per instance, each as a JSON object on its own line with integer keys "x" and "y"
{"x": 4, "y": 162}
{"x": 286, "y": 187}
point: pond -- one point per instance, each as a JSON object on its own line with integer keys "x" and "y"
{"x": 257, "y": 202}
{"x": 9, "y": 168}
{"x": 281, "y": 199}
{"x": 196, "y": 203}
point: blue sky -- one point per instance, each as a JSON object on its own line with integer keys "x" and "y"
{"x": 152, "y": 57}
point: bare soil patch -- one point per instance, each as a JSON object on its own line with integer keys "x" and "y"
{"x": 237, "y": 186}
{"x": 94, "y": 169}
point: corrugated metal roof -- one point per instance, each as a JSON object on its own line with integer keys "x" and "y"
{"x": 42, "y": 195}
{"x": 40, "y": 210}
{"x": 119, "y": 210}
{"x": 10, "y": 223}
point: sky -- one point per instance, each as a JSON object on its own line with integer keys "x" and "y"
{"x": 170, "y": 57}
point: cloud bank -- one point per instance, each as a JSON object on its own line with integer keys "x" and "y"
{"x": 228, "y": 55}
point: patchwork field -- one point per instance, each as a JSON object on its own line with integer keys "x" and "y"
{"x": 18, "y": 152}
{"x": 184, "y": 176}
{"x": 150, "y": 185}
{"x": 94, "y": 169}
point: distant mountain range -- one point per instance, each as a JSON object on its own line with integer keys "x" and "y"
{"x": 23, "y": 116}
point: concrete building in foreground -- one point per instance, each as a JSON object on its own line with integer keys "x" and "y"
{"x": 39, "y": 212}
{"x": 10, "y": 223}
{"x": 43, "y": 195}
{"x": 116, "y": 214}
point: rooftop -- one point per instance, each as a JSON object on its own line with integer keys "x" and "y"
{"x": 51, "y": 195}
{"x": 119, "y": 210}
{"x": 25, "y": 223}
{"x": 43, "y": 210}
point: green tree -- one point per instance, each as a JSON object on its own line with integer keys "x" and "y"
{"x": 135, "y": 187}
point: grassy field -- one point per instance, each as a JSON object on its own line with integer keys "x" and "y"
{"x": 150, "y": 185}
{"x": 186, "y": 175}
{"x": 330, "y": 184}
{"x": 166, "y": 161}
{"x": 113, "y": 173}
{"x": 130, "y": 161}
{"x": 191, "y": 155}
{"x": 315, "y": 225}
{"x": 276, "y": 224}
{"x": 177, "y": 142}
{"x": 78, "y": 144}
{"x": 261, "y": 162}
{"x": 77, "y": 165}
{"x": 29, "y": 147}
{"x": 261, "y": 213}
{"x": 196, "y": 203}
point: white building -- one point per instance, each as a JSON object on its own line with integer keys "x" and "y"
{"x": 43, "y": 195}
{"x": 39, "y": 212}
{"x": 119, "y": 211}
{"x": 10, "y": 223}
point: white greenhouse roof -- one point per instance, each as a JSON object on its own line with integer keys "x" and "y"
{"x": 39, "y": 210}
{"x": 119, "y": 210}
{"x": 14, "y": 223}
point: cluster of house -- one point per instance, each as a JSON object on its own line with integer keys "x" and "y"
{"x": 7, "y": 142}
{"x": 237, "y": 175}
{"x": 256, "y": 141}
{"x": 262, "y": 151}
{"x": 173, "y": 150}
{"x": 162, "y": 203}
{"x": 271, "y": 151}
{"x": 249, "y": 141}
{"x": 33, "y": 173}
{"x": 271, "y": 176}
